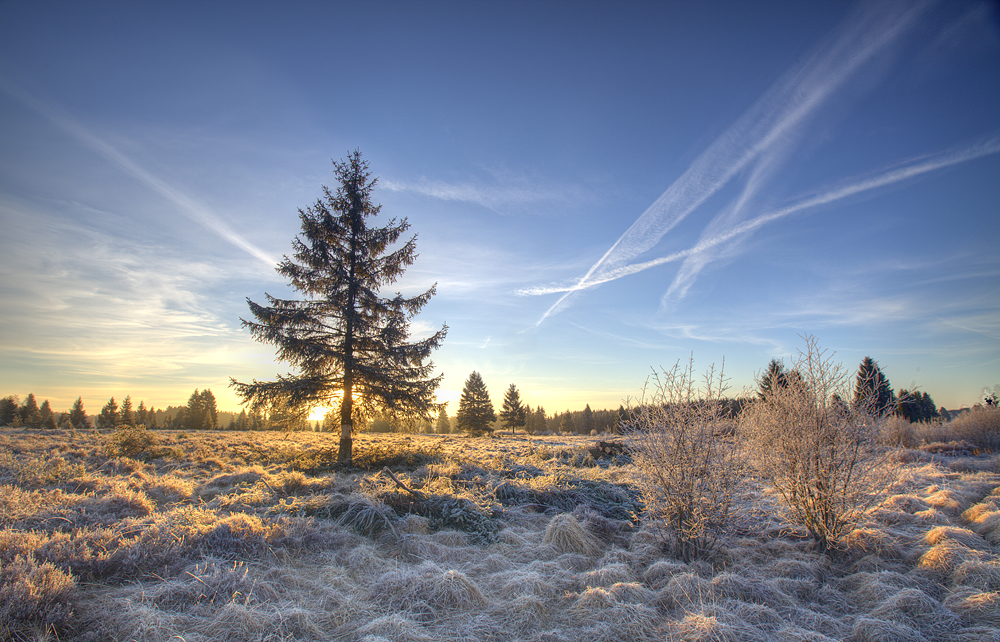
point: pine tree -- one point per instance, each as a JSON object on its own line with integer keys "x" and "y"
{"x": 29, "y": 412}
{"x": 125, "y": 414}
{"x": 588, "y": 420}
{"x": 475, "y": 410}
{"x": 109, "y": 415}
{"x": 567, "y": 424}
{"x": 48, "y": 419}
{"x": 540, "y": 419}
{"x": 8, "y": 410}
{"x": 872, "y": 389}
{"x": 774, "y": 377}
{"x": 443, "y": 425}
{"x": 201, "y": 412}
{"x": 141, "y": 414}
{"x": 349, "y": 344}
{"x": 78, "y": 416}
{"x": 513, "y": 413}
{"x": 209, "y": 409}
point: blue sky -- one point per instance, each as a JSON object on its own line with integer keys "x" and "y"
{"x": 598, "y": 188}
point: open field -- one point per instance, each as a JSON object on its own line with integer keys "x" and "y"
{"x": 254, "y": 536}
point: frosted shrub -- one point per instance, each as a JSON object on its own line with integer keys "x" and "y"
{"x": 825, "y": 457}
{"x": 979, "y": 426}
{"x": 689, "y": 466}
{"x": 131, "y": 441}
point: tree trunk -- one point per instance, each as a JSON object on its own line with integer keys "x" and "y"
{"x": 346, "y": 455}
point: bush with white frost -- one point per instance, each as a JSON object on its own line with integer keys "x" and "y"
{"x": 689, "y": 467}
{"x": 823, "y": 455}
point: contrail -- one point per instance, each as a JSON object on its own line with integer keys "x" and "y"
{"x": 189, "y": 207}
{"x": 766, "y": 129}
{"x": 914, "y": 168}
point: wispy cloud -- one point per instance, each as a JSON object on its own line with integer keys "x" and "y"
{"x": 503, "y": 194}
{"x": 109, "y": 307}
{"x": 188, "y": 206}
{"x": 762, "y": 141}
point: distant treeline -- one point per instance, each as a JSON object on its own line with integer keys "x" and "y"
{"x": 201, "y": 412}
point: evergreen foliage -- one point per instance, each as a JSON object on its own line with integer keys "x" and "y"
{"x": 29, "y": 412}
{"x": 589, "y": 425}
{"x": 46, "y": 416}
{"x": 535, "y": 419}
{"x": 513, "y": 414}
{"x": 872, "y": 389}
{"x": 78, "y": 416}
{"x": 774, "y": 376}
{"x": 125, "y": 414}
{"x": 8, "y": 410}
{"x": 567, "y": 424}
{"x": 916, "y": 407}
{"x": 475, "y": 410}
{"x": 109, "y": 415}
{"x": 349, "y": 344}
{"x": 443, "y": 425}
{"x": 201, "y": 412}
{"x": 141, "y": 414}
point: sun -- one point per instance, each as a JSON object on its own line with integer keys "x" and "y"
{"x": 319, "y": 412}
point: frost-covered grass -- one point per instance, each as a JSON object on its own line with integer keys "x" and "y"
{"x": 234, "y": 536}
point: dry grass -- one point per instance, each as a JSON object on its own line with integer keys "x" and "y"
{"x": 229, "y": 539}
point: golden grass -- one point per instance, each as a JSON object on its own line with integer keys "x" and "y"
{"x": 226, "y": 540}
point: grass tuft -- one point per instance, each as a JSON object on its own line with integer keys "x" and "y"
{"x": 567, "y": 536}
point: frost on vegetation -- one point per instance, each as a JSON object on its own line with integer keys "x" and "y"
{"x": 566, "y": 535}
{"x": 689, "y": 466}
{"x": 821, "y": 452}
{"x": 149, "y": 550}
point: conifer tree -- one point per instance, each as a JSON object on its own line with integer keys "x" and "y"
{"x": 349, "y": 344}
{"x": 46, "y": 416}
{"x": 541, "y": 420}
{"x": 201, "y": 412}
{"x": 567, "y": 424}
{"x": 109, "y": 414}
{"x": 142, "y": 414}
{"x": 29, "y": 412}
{"x": 589, "y": 425}
{"x": 209, "y": 409}
{"x": 872, "y": 389}
{"x": 8, "y": 410}
{"x": 443, "y": 425}
{"x": 125, "y": 414}
{"x": 475, "y": 410}
{"x": 78, "y": 416}
{"x": 774, "y": 377}
{"x": 513, "y": 414}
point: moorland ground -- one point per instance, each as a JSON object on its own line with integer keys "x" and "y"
{"x": 257, "y": 536}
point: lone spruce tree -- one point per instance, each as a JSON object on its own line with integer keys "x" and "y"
{"x": 513, "y": 415}
{"x": 349, "y": 344}
{"x": 475, "y": 410}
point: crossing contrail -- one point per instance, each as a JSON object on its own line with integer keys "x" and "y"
{"x": 762, "y": 139}
{"x": 909, "y": 170}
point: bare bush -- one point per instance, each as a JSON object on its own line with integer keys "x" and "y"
{"x": 824, "y": 456}
{"x": 979, "y": 426}
{"x": 689, "y": 465}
